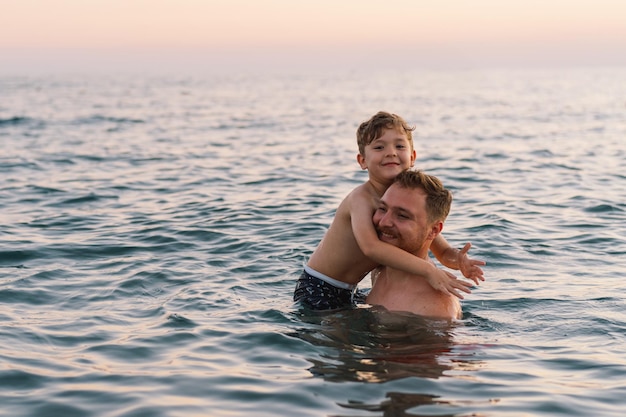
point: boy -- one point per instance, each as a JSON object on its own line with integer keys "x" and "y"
{"x": 350, "y": 249}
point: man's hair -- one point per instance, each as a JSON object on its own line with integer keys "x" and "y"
{"x": 438, "y": 198}
{"x": 373, "y": 128}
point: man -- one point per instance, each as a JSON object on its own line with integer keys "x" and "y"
{"x": 410, "y": 215}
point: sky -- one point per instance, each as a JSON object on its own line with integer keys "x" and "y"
{"x": 227, "y": 35}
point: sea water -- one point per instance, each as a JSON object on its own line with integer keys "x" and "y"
{"x": 152, "y": 228}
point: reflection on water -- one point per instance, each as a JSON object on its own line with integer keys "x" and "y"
{"x": 374, "y": 345}
{"x": 398, "y": 404}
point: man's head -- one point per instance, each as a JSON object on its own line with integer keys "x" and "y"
{"x": 374, "y": 128}
{"x": 412, "y": 211}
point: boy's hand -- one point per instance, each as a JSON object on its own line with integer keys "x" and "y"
{"x": 447, "y": 283}
{"x": 470, "y": 268}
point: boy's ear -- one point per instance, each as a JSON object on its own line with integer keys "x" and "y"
{"x": 413, "y": 157}
{"x": 361, "y": 160}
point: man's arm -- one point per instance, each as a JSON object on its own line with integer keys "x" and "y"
{"x": 457, "y": 259}
{"x": 389, "y": 255}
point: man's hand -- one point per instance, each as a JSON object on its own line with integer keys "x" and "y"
{"x": 470, "y": 268}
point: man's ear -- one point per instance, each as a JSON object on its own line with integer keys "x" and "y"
{"x": 435, "y": 229}
{"x": 361, "y": 160}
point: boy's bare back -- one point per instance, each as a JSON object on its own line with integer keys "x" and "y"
{"x": 338, "y": 254}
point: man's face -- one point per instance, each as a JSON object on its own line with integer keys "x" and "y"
{"x": 401, "y": 219}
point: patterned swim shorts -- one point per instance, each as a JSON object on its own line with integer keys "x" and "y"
{"x": 317, "y": 294}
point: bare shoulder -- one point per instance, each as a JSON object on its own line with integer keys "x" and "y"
{"x": 363, "y": 194}
{"x": 362, "y": 191}
{"x": 356, "y": 199}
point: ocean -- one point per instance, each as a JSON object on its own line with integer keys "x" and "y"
{"x": 152, "y": 228}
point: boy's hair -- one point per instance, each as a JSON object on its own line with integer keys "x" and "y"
{"x": 438, "y": 198}
{"x": 372, "y": 129}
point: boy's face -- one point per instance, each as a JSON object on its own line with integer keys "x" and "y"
{"x": 402, "y": 220}
{"x": 388, "y": 155}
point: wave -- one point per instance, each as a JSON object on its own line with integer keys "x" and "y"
{"x": 19, "y": 121}
{"x": 95, "y": 119}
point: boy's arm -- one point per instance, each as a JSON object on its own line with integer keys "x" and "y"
{"x": 389, "y": 255}
{"x": 457, "y": 259}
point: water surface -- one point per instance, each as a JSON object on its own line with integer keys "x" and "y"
{"x": 152, "y": 228}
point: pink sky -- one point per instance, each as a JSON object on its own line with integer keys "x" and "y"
{"x": 326, "y": 33}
